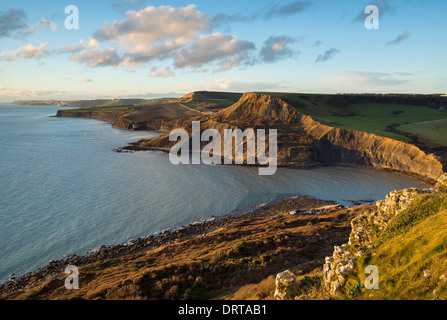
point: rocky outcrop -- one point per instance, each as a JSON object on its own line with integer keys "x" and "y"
{"x": 364, "y": 230}
{"x": 442, "y": 183}
{"x": 287, "y": 286}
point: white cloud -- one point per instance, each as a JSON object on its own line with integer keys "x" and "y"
{"x": 84, "y": 80}
{"x": 98, "y": 57}
{"x": 152, "y": 24}
{"x": 42, "y": 25}
{"x": 228, "y": 50}
{"x": 26, "y": 52}
{"x": 161, "y": 33}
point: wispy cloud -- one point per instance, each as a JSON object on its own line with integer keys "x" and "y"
{"x": 153, "y": 24}
{"x": 9, "y": 94}
{"x": 85, "y": 80}
{"x": 12, "y": 21}
{"x": 276, "y": 10}
{"x": 124, "y": 5}
{"x": 400, "y": 38}
{"x": 26, "y": 52}
{"x": 287, "y": 10}
{"x": 384, "y": 9}
{"x": 377, "y": 78}
{"x": 277, "y": 48}
{"x": 165, "y": 73}
{"x": 98, "y": 57}
{"x": 329, "y": 54}
{"x": 13, "y": 24}
{"x": 230, "y": 85}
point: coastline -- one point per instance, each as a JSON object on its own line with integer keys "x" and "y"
{"x": 306, "y": 208}
{"x": 168, "y": 237}
{"x": 171, "y": 235}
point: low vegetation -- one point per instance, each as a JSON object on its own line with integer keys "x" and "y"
{"x": 238, "y": 261}
{"x": 411, "y": 256}
{"x": 427, "y": 120}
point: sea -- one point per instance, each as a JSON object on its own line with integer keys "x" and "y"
{"x": 63, "y": 190}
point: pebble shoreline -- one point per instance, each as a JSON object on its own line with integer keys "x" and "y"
{"x": 302, "y": 204}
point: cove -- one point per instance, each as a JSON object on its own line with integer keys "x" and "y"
{"x": 64, "y": 191}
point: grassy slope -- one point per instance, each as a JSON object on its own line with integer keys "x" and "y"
{"x": 414, "y": 241}
{"x": 428, "y": 123}
{"x": 147, "y": 110}
{"x": 431, "y": 132}
{"x": 199, "y": 100}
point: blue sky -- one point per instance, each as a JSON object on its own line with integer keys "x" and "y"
{"x": 145, "y": 49}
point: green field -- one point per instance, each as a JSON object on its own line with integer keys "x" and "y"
{"x": 428, "y": 123}
{"x": 430, "y": 132}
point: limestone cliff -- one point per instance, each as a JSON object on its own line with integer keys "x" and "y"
{"x": 304, "y": 142}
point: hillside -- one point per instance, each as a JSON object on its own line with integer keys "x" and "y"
{"x": 211, "y": 260}
{"x": 403, "y": 236}
{"x": 208, "y": 100}
{"x": 238, "y": 257}
{"x": 416, "y": 119}
{"x": 304, "y": 142}
{"x": 145, "y": 114}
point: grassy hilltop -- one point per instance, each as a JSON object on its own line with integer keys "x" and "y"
{"x": 423, "y": 116}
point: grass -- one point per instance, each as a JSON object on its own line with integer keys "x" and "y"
{"x": 209, "y": 101}
{"x": 376, "y": 118}
{"x": 428, "y": 123}
{"x": 415, "y": 241}
{"x": 430, "y": 132}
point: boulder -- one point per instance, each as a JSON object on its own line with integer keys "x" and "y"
{"x": 441, "y": 185}
{"x": 287, "y": 286}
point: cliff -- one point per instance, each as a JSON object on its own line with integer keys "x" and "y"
{"x": 304, "y": 142}
{"x": 116, "y": 118}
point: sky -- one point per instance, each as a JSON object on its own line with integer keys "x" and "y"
{"x": 149, "y": 49}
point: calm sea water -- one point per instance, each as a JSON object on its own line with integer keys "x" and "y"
{"x": 63, "y": 190}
